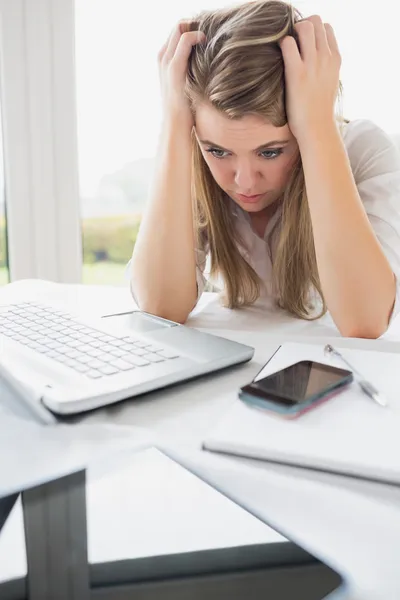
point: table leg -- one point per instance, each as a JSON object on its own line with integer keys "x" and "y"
{"x": 56, "y": 539}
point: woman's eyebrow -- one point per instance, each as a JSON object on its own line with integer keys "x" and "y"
{"x": 266, "y": 145}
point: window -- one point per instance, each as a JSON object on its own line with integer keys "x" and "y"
{"x": 81, "y": 114}
{"x": 4, "y": 271}
{"x": 119, "y": 113}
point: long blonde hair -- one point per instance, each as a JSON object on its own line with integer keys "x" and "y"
{"x": 240, "y": 71}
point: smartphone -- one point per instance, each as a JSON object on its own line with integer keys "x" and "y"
{"x": 297, "y": 388}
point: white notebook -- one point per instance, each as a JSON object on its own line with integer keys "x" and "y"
{"x": 348, "y": 434}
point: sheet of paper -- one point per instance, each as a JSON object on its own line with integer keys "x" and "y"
{"x": 355, "y": 534}
{"x": 31, "y": 454}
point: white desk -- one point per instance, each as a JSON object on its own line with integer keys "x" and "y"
{"x": 185, "y": 414}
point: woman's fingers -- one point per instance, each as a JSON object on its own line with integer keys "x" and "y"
{"x": 306, "y": 35}
{"x": 332, "y": 41}
{"x": 291, "y": 54}
{"x": 316, "y": 37}
{"x": 321, "y": 41}
{"x": 162, "y": 51}
{"x": 173, "y": 65}
{"x": 174, "y": 38}
{"x": 184, "y": 47}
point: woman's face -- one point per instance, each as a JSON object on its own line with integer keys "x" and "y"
{"x": 249, "y": 158}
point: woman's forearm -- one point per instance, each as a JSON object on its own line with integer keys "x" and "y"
{"x": 163, "y": 262}
{"x": 356, "y": 278}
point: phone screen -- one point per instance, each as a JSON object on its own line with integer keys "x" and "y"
{"x": 300, "y": 382}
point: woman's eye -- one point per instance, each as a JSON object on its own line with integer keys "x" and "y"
{"x": 267, "y": 154}
{"x": 217, "y": 153}
{"x": 270, "y": 154}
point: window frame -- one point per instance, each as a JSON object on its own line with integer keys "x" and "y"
{"x": 38, "y": 105}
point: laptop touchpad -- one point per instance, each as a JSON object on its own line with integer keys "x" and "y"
{"x": 138, "y": 321}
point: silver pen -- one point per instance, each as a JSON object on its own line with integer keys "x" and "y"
{"x": 365, "y": 385}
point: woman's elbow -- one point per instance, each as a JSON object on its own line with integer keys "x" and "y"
{"x": 368, "y": 331}
{"x": 158, "y": 308}
{"x": 170, "y": 314}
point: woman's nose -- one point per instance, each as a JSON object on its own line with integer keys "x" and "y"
{"x": 245, "y": 179}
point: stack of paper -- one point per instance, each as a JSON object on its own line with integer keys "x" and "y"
{"x": 348, "y": 434}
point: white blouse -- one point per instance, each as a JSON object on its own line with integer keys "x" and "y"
{"x": 375, "y": 163}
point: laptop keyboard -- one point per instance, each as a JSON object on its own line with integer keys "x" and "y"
{"x": 86, "y": 350}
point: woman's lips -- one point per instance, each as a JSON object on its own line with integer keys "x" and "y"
{"x": 250, "y": 199}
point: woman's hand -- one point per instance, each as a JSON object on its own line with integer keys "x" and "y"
{"x": 311, "y": 76}
{"x": 173, "y": 62}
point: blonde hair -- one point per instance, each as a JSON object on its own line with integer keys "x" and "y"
{"x": 240, "y": 71}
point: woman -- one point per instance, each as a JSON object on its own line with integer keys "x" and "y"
{"x": 286, "y": 199}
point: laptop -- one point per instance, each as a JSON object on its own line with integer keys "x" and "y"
{"x": 57, "y": 363}
{"x": 143, "y": 524}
